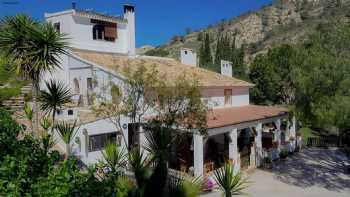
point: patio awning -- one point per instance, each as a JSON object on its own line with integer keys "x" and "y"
{"x": 227, "y": 116}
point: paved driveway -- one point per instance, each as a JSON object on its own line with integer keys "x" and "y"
{"x": 313, "y": 172}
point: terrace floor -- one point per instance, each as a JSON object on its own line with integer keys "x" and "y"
{"x": 312, "y": 172}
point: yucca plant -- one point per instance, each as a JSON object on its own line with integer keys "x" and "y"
{"x": 34, "y": 48}
{"x": 115, "y": 159}
{"x": 140, "y": 164}
{"x": 230, "y": 183}
{"x": 67, "y": 132}
{"x": 158, "y": 144}
{"x": 54, "y": 97}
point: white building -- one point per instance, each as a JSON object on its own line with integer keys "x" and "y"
{"x": 101, "y": 46}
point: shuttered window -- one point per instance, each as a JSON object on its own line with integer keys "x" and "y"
{"x": 104, "y": 30}
{"x": 228, "y": 96}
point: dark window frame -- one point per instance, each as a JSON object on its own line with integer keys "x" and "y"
{"x": 57, "y": 26}
{"x": 99, "y": 141}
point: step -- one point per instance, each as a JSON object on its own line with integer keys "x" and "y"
{"x": 14, "y": 100}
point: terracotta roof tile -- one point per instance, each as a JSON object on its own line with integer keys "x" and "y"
{"x": 220, "y": 117}
{"x": 165, "y": 66}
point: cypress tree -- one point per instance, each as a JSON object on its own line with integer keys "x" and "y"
{"x": 205, "y": 57}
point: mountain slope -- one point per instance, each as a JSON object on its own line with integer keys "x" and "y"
{"x": 285, "y": 21}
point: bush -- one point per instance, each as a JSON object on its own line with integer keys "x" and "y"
{"x": 267, "y": 160}
{"x": 157, "y": 52}
{"x": 284, "y": 153}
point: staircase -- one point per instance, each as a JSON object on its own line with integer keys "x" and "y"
{"x": 16, "y": 103}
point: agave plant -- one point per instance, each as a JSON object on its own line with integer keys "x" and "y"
{"x": 230, "y": 183}
{"x": 115, "y": 159}
{"x": 56, "y": 95}
{"x": 67, "y": 132}
{"x": 28, "y": 112}
{"x": 184, "y": 186}
{"x": 45, "y": 124}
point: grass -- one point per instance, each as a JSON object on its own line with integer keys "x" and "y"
{"x": 11, "y": 83}
{"x": 307, "y": 133}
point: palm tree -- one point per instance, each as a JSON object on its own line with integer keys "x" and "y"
{"x": 56, "y": 95}
{"x": 34, "y": 49}
{"x": 67, "y": 132}
{"x": 230, "y": 183}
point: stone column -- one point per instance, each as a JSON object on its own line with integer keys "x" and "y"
{"x": 142, "y": 140}
{"x": 278, "y": 134}
{"x": 258, "y": 141}
{"x": 85, "y": 144}
{"x": 198, "y": 156}
{"x": 293, "y": 133}
{"x": 233, "y": 149}
{"x": 293, "y": 128}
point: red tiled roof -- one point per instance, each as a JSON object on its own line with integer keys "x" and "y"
{"x": 220, "y": 117}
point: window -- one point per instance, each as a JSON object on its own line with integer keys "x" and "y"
{"x": 89, "y": 83}
{"x": 99, "y": 142}
{"x": 104, "y": 30}
{"x": 228, "y": 96}
{"x": 98, "y": 32}
{"x": 186, "y": 52}
{"x": 57, "y": 26}
{"x": 70, "y": 112}
{"x": 76, "y": 86}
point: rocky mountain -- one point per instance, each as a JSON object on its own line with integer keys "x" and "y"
{"x": 284, "y": 21}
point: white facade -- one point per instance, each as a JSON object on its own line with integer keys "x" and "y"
{"x": 215, "y": 97}
{"x": 188, "y": 57}
{"x": 91, "y": 83}
{"x": 78, "y": 27}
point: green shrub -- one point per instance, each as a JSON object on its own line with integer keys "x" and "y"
{"x": 157, "y": 52}
{"x": 284, "y": 153}
{"x": 267, "y": 160}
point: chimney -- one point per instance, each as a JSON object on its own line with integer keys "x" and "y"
{"x": 129, "y": 15}
{"x": 74, "y": 5}
{"x": 226, "y": 68}
{"x": 188, "y": 57}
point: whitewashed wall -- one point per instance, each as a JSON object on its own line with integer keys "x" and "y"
{"x": 79, "y": 32}
{"x": 94, "y": 128}
{"x": 81, "y": 37}
{"x": 216, "y": 98}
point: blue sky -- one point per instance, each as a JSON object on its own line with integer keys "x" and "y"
{"x": 156, "y": 20}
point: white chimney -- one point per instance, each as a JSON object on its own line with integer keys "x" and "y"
{"x": 226, "y": 68}
{"x": 129, "y": 15}
{"x": 188, "y": 57}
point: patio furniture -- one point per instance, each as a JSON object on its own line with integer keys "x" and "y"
{"x": 208, "y": 167}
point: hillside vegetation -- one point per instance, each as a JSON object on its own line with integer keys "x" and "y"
{"x": 283, "y": 22}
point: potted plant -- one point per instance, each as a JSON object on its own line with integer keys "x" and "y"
{"x": 284, "y": 154}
